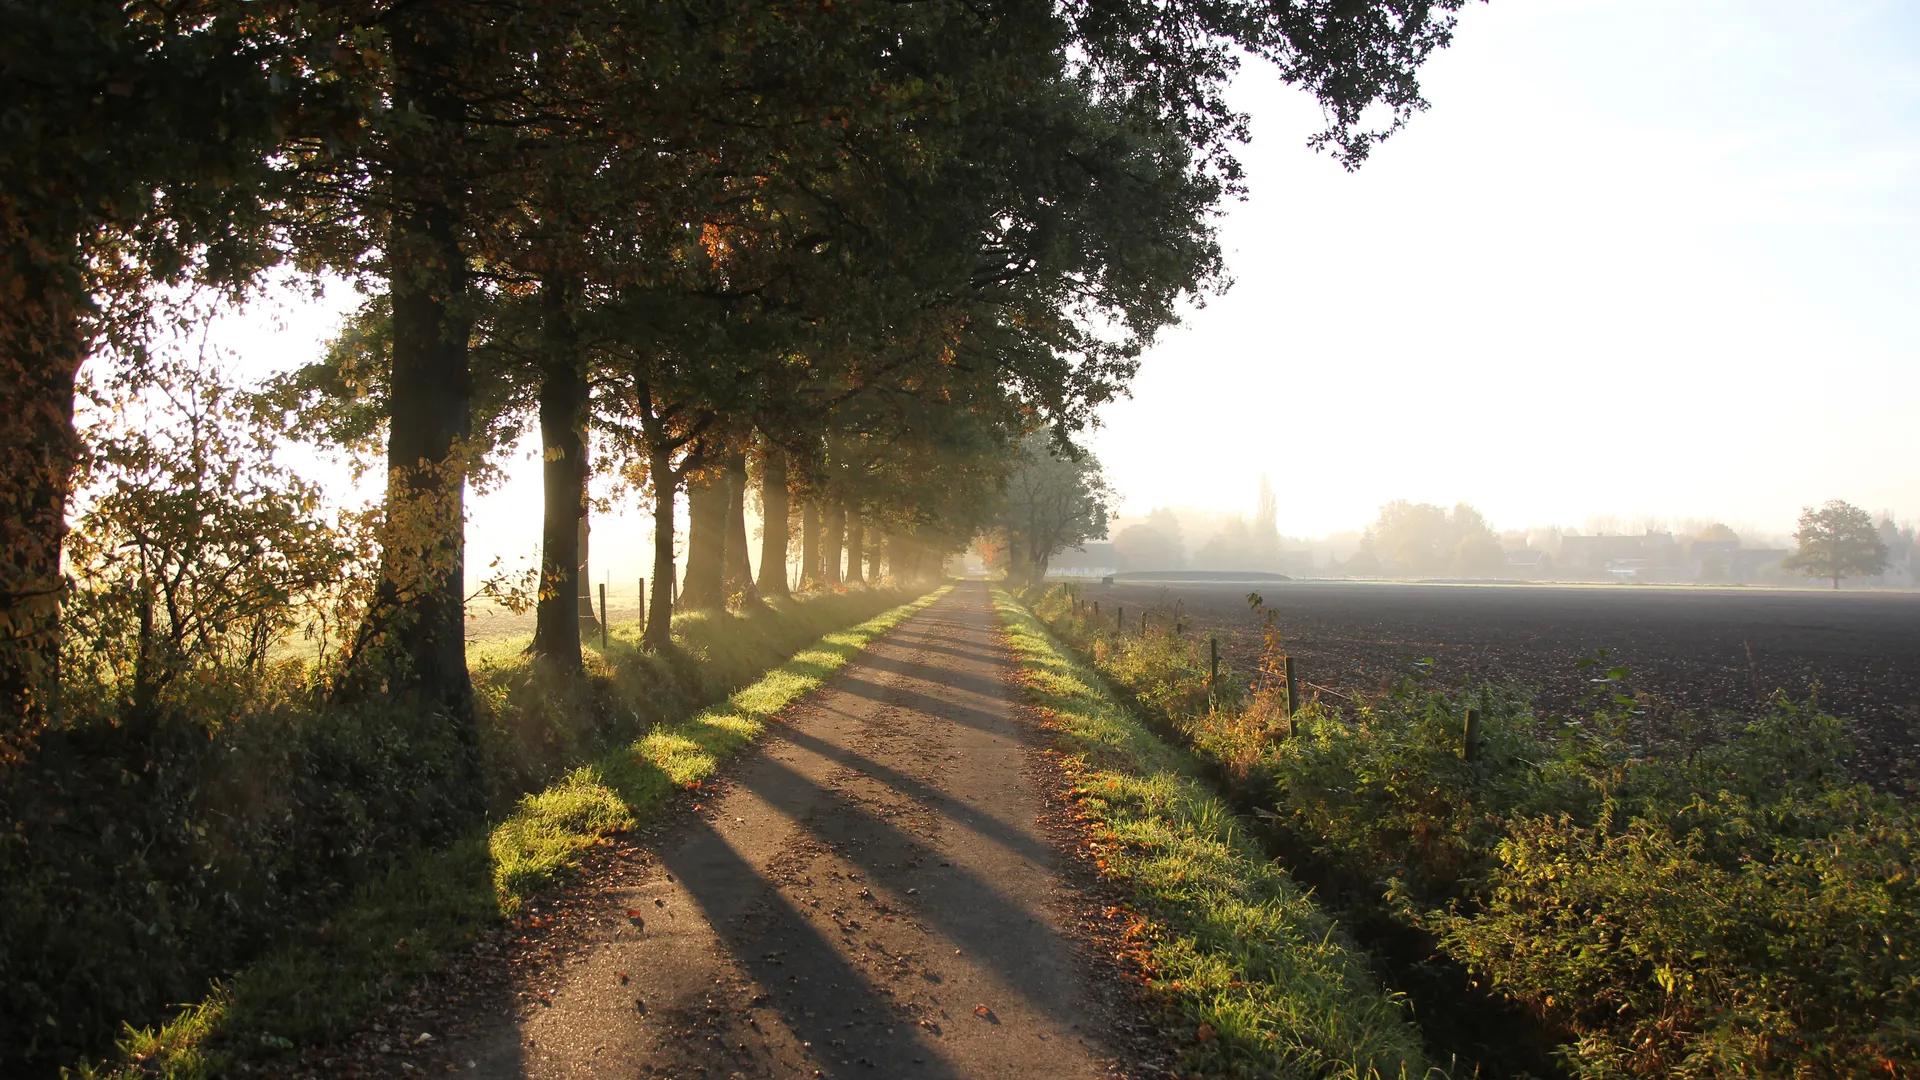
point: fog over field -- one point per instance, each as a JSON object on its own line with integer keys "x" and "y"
{"x": 1612, "y": 279}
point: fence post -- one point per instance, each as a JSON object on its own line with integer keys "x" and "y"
{"x": 1143, "y": 624}
{"x": 1470, "y": 743}
{"x": 1119, "y": 619}
{"x": 1213, "y": 662}
{"x": 1293, "y": 686}
{"x": 642, "y": 618}
{"x": 603, "y": 617}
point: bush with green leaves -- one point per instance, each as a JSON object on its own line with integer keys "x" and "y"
{"x": 1675, "y": 895}
{"x": 1748, "y": 911}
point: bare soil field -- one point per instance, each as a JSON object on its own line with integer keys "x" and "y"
{"x": 1709, "y": 649}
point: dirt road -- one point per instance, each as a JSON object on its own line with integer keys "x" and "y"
{"x": 872, "y": 896}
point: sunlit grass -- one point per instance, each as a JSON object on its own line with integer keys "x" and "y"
{"x": 1268, "y": 983}
{"x": 407, "y": 922}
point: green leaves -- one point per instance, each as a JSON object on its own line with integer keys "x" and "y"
{"x": 1838, "y": 540}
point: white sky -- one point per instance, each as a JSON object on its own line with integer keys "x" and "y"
{"x": 1643, "y": 259}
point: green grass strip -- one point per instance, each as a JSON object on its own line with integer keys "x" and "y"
{"x": 405, "y": 924}
{"x": 1270, "y": 984}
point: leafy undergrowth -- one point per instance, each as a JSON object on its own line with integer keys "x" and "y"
{"x": 405, "y": 922}
{"x": 1270, "y": 985}
{"x": 1669, "y": 898}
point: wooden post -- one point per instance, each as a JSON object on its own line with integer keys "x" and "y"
{"x": 1470, "y": 743}
{"x": 642, "y": 618}
{"x": 1213, "y": 662}
{"x": 1096, "y": 609}
{"x": 603, "y": 617}
{"x": 1293, "y": 685}
{"x": 1143, "y": 624}
{"x": 1119, "y": 618}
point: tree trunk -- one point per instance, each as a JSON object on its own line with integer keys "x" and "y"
{"x": 876, "y": 556}
{"x": 773, "y": 523}
{"x": 42, "y": 346}
{"x": 659, "y": 632}
{"x": 836, "y": 529}
{"x": 417, "y": 630}
{"x": 856, "y": 552}
{"x": 810, "y": 543}
{"x": 704, "y": 587}
{"x": 738, "y": 576}
{"x": 563, "y": 477}
{"x": 583, "y": 602}
{"x": 906, "y": 560}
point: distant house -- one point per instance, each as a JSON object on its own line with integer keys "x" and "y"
{"x": 1712, "y": 560}
{"x": 1644, "y": 557}
{"x": 1528, "y": 563}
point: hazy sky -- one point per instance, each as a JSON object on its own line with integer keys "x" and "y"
{"x": 1640, "y": 259}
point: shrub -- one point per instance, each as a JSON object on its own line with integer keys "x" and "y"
{"x": 1674, "y": 904}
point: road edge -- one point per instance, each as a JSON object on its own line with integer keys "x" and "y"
{"x": 1225, "y": 937}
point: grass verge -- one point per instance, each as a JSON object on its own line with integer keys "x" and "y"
{"x": 1238, "y": 948}
{"x": 405, "y": 923}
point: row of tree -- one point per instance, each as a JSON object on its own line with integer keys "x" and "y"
{"x": 860, "y": 250}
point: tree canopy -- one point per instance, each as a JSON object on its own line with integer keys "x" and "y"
{"x": 1835, "y": 541}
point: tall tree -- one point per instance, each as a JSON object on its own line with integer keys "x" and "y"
{"x": 832, "y": 551}
{"x": 856, "y": 548}
{"x": 414, "y": 643}
{"x": 1836, "y": 541}
{"x": 135, "y": 157}
{"x": 564, "y": 475}
{"x": 810, "y": 528}
{"x": 738, "y": 565}
{"x": 704, "y": 588}
{"x": 775, "y": 506}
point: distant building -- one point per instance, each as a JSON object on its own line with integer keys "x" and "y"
{"x": 1646, "y": 557}
{"x": 1528, "y": 563}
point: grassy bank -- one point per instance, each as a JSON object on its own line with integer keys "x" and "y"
{"x": 401, "y": 892}
{"x": 1658, "y": 893}
{"x": 1269, "y": 985}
